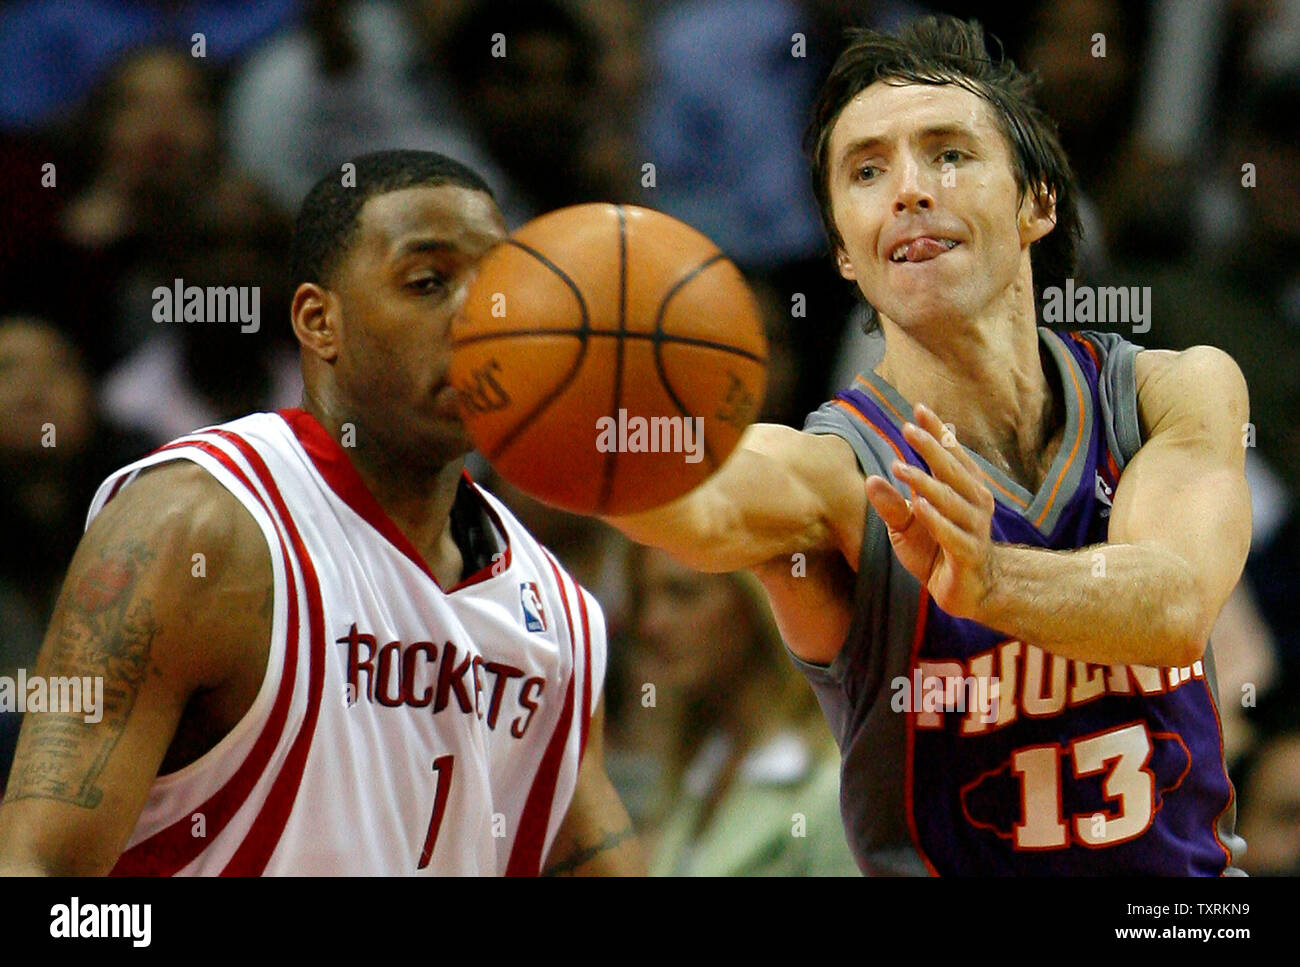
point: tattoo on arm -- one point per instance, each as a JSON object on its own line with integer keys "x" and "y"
{"x": 585, "y": 854}
{"x": 105, "y": 631}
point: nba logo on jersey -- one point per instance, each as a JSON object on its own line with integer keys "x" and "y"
{"x": 534, "y": 613}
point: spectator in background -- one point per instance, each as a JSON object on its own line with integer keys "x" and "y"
{"x": 1204, "y": 60}
{"x": 351, "y": 79}
{"x": 163, "y": 205}
{"x": 1062, "y": 49}
{"x": 1246, "y": 300}
{"x": 41, "y": 273}
{"x": 1268, "y": 784}
{"x": 155, "y": 165}
{"x": 729, "y": 84}
{"x": 53, "y": 52}
{"x": 185, "y": 375}
{"x": 530, "y": 78}
{"x": 746, "y": 771}
{"x": 54, "y": 451}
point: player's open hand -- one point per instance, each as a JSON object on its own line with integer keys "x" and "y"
{"x": 943, "y": 537}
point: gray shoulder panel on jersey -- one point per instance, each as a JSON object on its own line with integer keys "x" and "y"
{"x": 1117, "y": 389}
{"x": 854, "y": 689}
{"x": 874, "y": 552}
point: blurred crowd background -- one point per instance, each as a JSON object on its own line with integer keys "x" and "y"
{"x": 183, "y": 136}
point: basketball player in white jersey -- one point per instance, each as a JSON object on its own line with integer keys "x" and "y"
{"x": 323, "y": 649}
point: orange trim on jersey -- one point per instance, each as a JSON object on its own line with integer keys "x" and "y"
{"x": 1069, "y": 461}
{"x": 882, "y": 399}
{"x": 879, "y": 432}
{"x": 909, "y": 777}
{"x": 884, "y": 402}
{"x": 1086, "y": 343}
{"x": 1003, "y": 490}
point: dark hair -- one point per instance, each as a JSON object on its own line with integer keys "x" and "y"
{"x": 328, "y": 217}
{"x": 944, "y": 50}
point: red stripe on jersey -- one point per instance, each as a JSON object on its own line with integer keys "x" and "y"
{"x": 171, "y": 849}
{"x": 588, "y": 708}
{"x": 526, "y": 855}
{"x": 342, "y": 477}
{"x": 585, "y": 724}
{"x": 116, "y": 487}
{"x": 255, "y": 851}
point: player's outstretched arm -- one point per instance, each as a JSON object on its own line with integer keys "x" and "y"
{"x": 1177, "y": 541}
{"x": 596, "y": 837}
{"x": 780, "y": 492}
{"x": 132, "y": 614}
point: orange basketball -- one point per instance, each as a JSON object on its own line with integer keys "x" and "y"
{"x": 608, "y": 358}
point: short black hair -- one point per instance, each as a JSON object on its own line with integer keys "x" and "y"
{"x": 327, "y": 219}
{"x": 945, "y": 50}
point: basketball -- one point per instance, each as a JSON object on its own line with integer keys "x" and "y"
{"x": 607, "y": 358}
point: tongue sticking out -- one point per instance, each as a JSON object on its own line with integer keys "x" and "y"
{"x": 924, "y": 249}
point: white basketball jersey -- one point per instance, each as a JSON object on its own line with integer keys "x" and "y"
{"x": 400, "y": 728}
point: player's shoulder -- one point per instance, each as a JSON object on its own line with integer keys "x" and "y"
{"x": 1197, "y": 376}
{"x": 174, "y": 502}
{"x": 1201, "y": 385}
{"x": 1196, "y": 363}
{"x": 186, "y": 518}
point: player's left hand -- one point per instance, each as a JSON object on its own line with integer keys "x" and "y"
{"x": 944, "y": 536}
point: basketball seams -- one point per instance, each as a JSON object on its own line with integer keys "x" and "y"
{"x": 659, "y": 340}
{"x": 564, "y": 277}
{"x": 607, "y": 472}
{"x": 666, "y": 338}
{"x": 649, "y": 321}
{"x": 517, "y": 430}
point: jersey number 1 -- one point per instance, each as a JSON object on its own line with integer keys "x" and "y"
{"x": 442, "y": 766}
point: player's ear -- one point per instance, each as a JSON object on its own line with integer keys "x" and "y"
{"x": 1037, "y": 214}
{"x": 315, "y": 316}
{"x": 844, "y": 264}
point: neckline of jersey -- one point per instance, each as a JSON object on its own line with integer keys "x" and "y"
{"x": 1038, "y": 506}
{"x": 341, "y": 476}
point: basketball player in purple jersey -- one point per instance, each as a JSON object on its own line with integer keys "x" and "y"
{"x": 1015, "y": 660}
